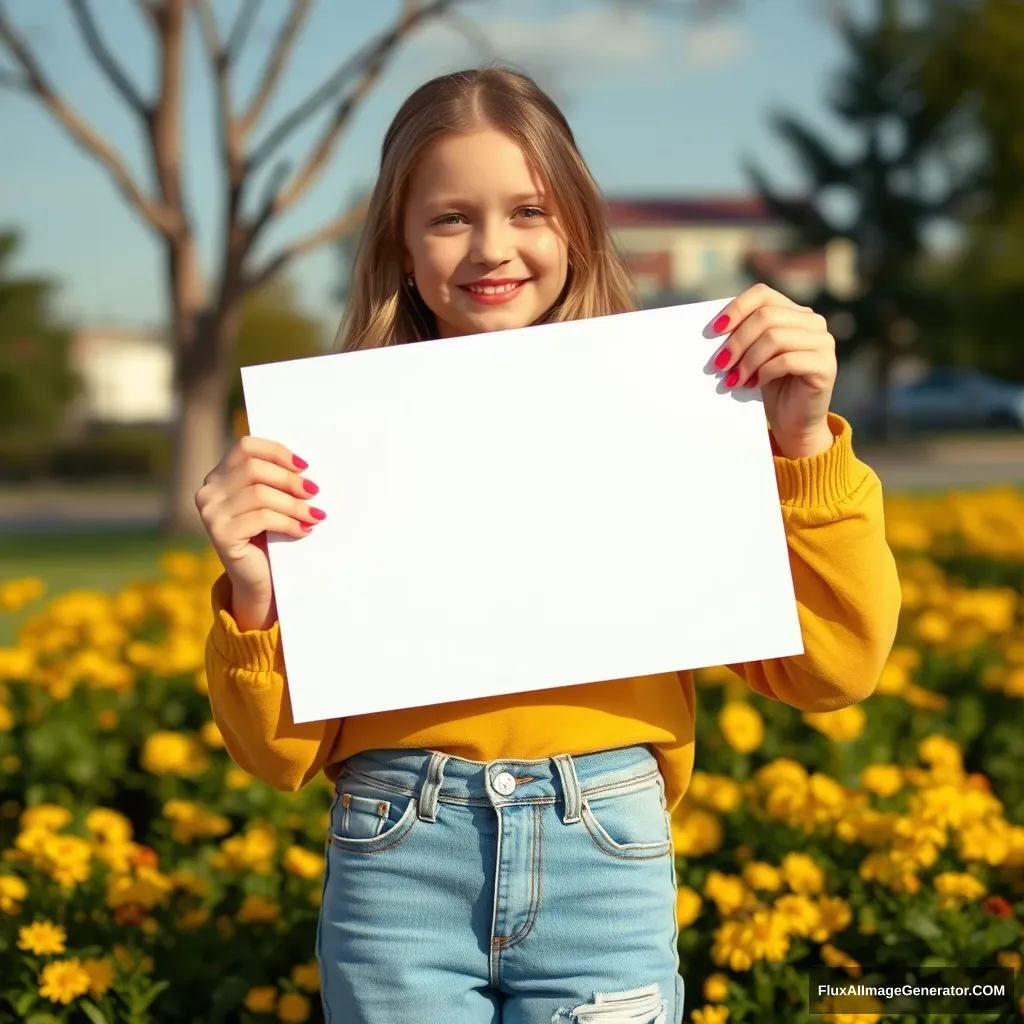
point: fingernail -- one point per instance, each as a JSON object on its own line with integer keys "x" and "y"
{"x": 306, "y": 528}
{"x": 299, "y": 463}
{"x": 317, "y": 514}
{"x": 722, "y": 359}
{"x": 730, "y": 381}
{"x": 310, "y": 487}
{"x": 752, "y": 383}
{"x": 721, "y": 323}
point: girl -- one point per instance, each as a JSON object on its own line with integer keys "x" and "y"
{"x": 510, "y": 858}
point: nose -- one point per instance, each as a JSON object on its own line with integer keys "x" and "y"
{"x": 492, "y": 242}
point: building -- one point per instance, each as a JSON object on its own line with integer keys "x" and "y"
{"x": 690, "y": 249}
{"x": 127, "y": 377}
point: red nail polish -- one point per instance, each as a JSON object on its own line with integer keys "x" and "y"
{"x": 721, "y": 323}
{"x": 722, "y": 359}
{"x": 752, "y": 383}
{"x": 310, "y": 487}
{"x": 730, "y": 381}
{"x": 306, "y": 528}
{"x": 299, "y": 463}
{"x": 317, "y": 514}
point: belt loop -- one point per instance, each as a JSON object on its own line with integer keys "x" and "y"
{"x": 427, "y": 803}
{"x": 570, "y": 788}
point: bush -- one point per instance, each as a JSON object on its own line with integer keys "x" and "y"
{"x": 131, "y": 453}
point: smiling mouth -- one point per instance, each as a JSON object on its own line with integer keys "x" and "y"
{"x": 500, "y": 288}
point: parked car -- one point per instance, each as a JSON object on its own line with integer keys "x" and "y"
{"x": 951, "y": 398}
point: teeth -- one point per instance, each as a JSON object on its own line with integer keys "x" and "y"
{"x": 493, "y": 289}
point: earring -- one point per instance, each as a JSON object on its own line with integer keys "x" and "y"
{"x": 410, "y": 281}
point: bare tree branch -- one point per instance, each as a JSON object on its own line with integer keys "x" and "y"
{"x": 150, "y": 9}
{"x": 12, "y": 80}
{"x": 241, "y": 28}
{"x": 104, "y": 58}
{"x": 272, "y": 72}
{"x": 329, "y": 232}
{"x": 370, "y": 58}
{"x": 154, "y": 212}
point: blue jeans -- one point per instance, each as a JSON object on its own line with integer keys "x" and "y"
{"x": 520, "y": 892}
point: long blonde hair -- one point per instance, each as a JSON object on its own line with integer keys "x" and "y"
{"x": 382, "y": 309}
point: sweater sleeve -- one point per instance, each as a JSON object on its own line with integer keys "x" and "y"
{"x": 844, "y": 577}
{"x": 250, "y": 703}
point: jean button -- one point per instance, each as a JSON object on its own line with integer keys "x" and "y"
{"x": 504, "y": 783}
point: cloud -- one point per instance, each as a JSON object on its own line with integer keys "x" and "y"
{"x": 595, "y": 42}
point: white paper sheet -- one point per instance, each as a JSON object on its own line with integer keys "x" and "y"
{"x": 521, "y": 510}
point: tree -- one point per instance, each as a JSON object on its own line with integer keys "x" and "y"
{"x": 36, "y": 380}
{"x": 884, "y": 187}
{"x": 272, "y": 329}
{"x": 206, "y": 307}
{"x": 974, "y": 76}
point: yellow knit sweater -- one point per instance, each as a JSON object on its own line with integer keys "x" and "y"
{"x": 848, "y": 596}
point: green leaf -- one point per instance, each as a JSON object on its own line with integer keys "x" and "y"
{"x": 147, "y": 1000}
{"x": 920, "y": 924}
{"x": 24, "y": 1003}
{"x": 43, "y": 1018}
{"x": 94, "y": 1013}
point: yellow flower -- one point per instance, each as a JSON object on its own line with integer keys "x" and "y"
{"x": 307, "y": 976}
{"x": 716, "y": 792}
{"x": 695, "y": 833}
{"x": 293, "y": 1008}
{"x": 716, "y": 988}
{"x": 955, "y": 887}
{"x": 252, "y": 851}
{"x": 1012, "y": 959}
{"x": 6, "y": 719}
{"x": 13, "y": 891}
{"x": 798, "y": 913}
{"x": 147, "y": 888}
{"x": 759, "y": 875}
{"x": 802, "y": 874}
{"x": 235, "y": 778}
{"x": 727, "y": 892}
{"x": 63, "y": 981}
{"x": 742, "y": 726}
{"x": 302, "y": 862}
{"x": 933, "y": 627}
{"x": 882, "y": 779}
{"x": 211, "y": 735}
{"x": 923, "y": 699}
{"x": 938, "y": 750}
{"x": 173, "y": 753}
{"x": 688, "y": 906}
{"x": 45, "y": 818}
{"x": 191, "y": 821}
{"x": 193, "y": 919}
{"x": 257, "y": 909}
{"x": 834, "y": 914}
{"x": 833, "y": 957}
{"x": 42, "y": 938}
{"x": 261, "y": 999}
{"x": 710, "y": 1015}
{"x": 839, "y": 726}
{"x": 108, "y": 826}
{"x": 101, "y": 976}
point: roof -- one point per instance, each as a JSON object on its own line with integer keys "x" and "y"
{"x": 653, "y": 211}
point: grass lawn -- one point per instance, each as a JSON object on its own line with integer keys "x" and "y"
{"x": 102, "y": 560}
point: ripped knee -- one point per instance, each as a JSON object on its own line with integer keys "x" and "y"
{"x": 636, "y": 1006}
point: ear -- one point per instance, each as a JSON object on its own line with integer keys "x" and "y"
{"x": 407, "y": 267}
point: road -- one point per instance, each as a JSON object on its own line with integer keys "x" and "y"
{"x": 918, "y": 466}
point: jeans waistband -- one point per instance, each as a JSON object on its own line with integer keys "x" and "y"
{"x": 432, "y": 777}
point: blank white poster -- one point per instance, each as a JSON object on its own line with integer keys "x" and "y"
{"x": 521, "y": 510}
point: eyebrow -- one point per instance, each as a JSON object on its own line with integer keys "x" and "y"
{"x": 523, "y": 197}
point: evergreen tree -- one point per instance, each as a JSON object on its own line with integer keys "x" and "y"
{"x": 885, "y": 205}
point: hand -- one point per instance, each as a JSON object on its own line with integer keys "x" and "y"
{"x": 256, "y": 487}
{"x": 787, "y": 350}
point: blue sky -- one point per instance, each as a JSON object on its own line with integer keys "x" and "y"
{"x": 659, "y": 105}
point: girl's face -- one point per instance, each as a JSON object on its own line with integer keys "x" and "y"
{"x": 482, "y": 237}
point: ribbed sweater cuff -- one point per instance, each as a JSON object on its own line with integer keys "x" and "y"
{"x": 818, "y": 480}
{"x": 256, "y": 650}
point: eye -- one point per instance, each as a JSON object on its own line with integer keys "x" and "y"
{"x": 531, "y": 212}
{"x": 449, "y": 219}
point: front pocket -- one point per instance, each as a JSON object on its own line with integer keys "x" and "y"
{"x": 367, "y": 820}
{"x": 630, "y": 825}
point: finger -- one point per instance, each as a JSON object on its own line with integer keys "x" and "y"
{"x": 258, "y": 496}
{"x": 269, "y": 451}
{"x": 745, "y": 303}
{"x": 773, "y": 342}
{"x": 252, "y": 524}
{"x": 759, "y": 323}
{"x": 812, "y": 365}
{"x": 259, "y": 471}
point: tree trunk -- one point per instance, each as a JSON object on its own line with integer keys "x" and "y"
{"x": 202, "y": 434}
